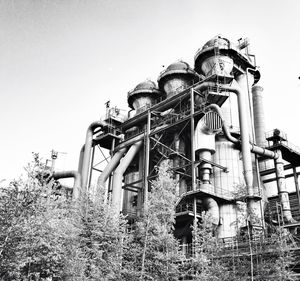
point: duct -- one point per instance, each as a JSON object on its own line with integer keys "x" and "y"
{"x": 212, "y": 208}
{"x": 87, "y": 151}
{"x": 119, "y": 172}
{"x": 108, "y": 170}
{"x": 77, "y": 181}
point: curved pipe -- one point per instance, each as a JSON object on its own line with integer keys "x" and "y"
{"x": 87, "y": 151}
{"x": 77, "y": 181}
{"x": 254, "y": 148}
{"x": 212, "y": 208}
{"x": 245, "y": 141}
{"x": 109, "y": 168}
{"x": 119, "y": 172}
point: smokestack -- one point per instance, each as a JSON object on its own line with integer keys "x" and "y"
{"x": 258, "y": 115}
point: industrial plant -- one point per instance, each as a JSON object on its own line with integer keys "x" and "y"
{"x": 206, "y": 122}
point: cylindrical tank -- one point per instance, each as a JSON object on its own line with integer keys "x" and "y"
{"x": 212, "y": 60}
{"x": 176, "y": 78}
{"x": 227, "y": 155}
{"x": 219, "y": 65}
{"x": 218, "y": 57}
{"x": 143, "y": 96}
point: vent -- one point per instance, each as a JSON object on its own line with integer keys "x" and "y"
{"x": 212, "y": 120}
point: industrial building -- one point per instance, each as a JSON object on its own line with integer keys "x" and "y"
{"x": 207, "y": 122}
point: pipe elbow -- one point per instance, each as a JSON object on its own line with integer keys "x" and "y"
{"x": 95, "y": 125}
{"x": 225, "y": 127}
{"x": 70, "y": 174}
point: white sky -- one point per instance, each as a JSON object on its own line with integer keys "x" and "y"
{"x": 60, "y": 61}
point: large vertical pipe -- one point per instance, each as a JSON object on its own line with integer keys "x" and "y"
{"x": 297, "y": 186}
{"x": 245, "y": 82}
{"x": 282, "y": 189}
{"x": 259, "y": 129}
{"x": 119, "y": 172}
{"x": 147, "y": 159}
{"x": 80, "y": 159}
{"x": 259, "y": 115}
{"x": 193, "y": 155}
{"x": 192, "y": 140}
{"x": 87, "y": 151}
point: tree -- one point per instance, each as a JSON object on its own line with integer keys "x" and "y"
{"x": 36, "y": 228}
{"x": 154, "y": 252}
{"x": 102, "y": 238}
{"x": 205, "y": 263}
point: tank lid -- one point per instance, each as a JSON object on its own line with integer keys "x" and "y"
{"x": 179, "y": 67}
{"x": 219, "y": 41}
{"x": 147, "y": 88}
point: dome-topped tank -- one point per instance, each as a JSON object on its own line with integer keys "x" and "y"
{"x": 218, "y": 56}
{"x": 176, "y": 77}
{"x": 143, "y": 95}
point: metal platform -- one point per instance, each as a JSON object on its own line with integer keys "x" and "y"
{"x": 208, "y": 190}
{"x": 106, "y": 140}
{"x": 289, "y": 152}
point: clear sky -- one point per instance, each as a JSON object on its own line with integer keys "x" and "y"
{"x": 61, "y": 60}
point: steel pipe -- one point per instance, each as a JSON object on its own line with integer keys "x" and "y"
{"x": 87, "y": 151}
{"x": 80, "y": 159}
{"x": 77, "y": 181}
{"x": 109, "y": 169}
{"x": 119, "y": 172}
{"x": 282, "y": 189}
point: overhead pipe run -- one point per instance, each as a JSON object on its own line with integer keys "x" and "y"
{"x": 119, "y": 172}
{"x": 77, "y": 181}
{"x": 87, "y": 151}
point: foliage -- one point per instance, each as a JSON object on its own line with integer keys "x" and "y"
{"x": 35, "y": 228}
{"x": 205, "y": 263}
{"x": 45, "y": 236}
{"x": 101, "y": 241}
{"x": 154, "y": 252}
